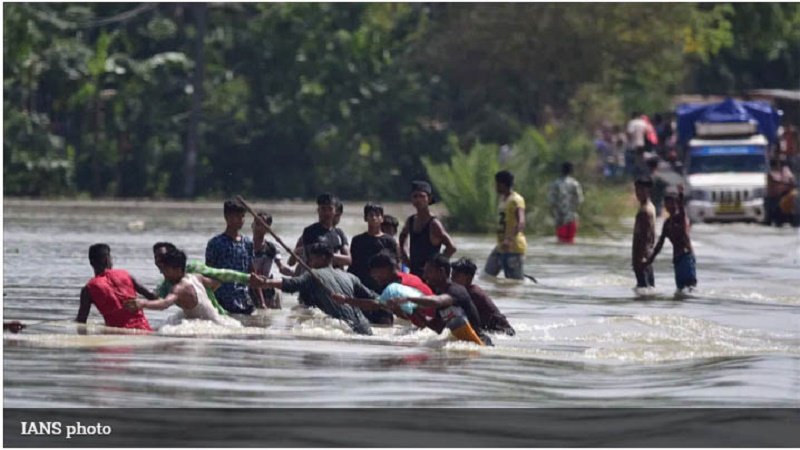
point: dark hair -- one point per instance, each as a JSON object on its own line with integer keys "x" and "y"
{"x": 327, "y": 199}
{"x": 504, "y": 177}
{"x": 232, "y": 207}
{"x": 174, "y": 258}
{"x": 652, "y": 163}
{"x": 465, "y": 266}
{"x": 266, "y": 216}
{"x": 440, "y": 262}
{"x": 320, "y": 249}
{"x": 97, "y": 254}
{"x": 372, "y": 208}
{"x": 566, "y": 168}
{"x": 635, "y": 114}
{"x": 168, "y": 245}
{"x": 390, "y": 221}
{"x": 644, "y": 181}
{"x": 382, "y": 259}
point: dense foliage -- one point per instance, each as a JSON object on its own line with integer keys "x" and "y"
{"x": 287, "y": 99}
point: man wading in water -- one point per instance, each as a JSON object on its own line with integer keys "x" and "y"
{"x": 315, "y": 292}
{"x": 426, "y": 231}
{"x": 676, "y": 228}
{"x": 509, "y": 253}
{"x": 109, "y": 290}
{"x": 644, "y": 235}
{"x": 188, "y": 292}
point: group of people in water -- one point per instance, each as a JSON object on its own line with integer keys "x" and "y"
{"x": 373, "y": 280}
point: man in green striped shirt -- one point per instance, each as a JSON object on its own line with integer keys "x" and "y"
{"x": 223, "y": 275}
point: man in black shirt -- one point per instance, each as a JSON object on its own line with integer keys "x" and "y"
{"x": 491, "y": 317}
{"x": 326, "y": 232}
{"x": 454, "y": 307}
{"x": 365, "y": 246}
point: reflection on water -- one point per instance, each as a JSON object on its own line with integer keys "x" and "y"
{"x": 582, "y": 338}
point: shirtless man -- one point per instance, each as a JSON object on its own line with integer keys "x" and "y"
{"x": 676, "y": 228}
{"x": 644, "y": 234}
{"x": 188, "y": 292}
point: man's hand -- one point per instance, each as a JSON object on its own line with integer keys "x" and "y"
{"x": 256, "y": 281}
{"x": 506, "y": 244}
{"x": 340, "y": 299}
{"x": 133, "y": 304}
{"x": 680, "y": 188}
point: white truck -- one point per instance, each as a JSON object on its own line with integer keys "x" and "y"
{"x": 726, "y": 149}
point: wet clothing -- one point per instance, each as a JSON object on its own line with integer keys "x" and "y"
{"x": 411, "y": 280}
{"x": 223, "y": 252}
{"x": 338, "y": 281}
{"x": 333, "y": 237}
{"x": 263, "y": 260}
{"x": 645, "y": 277}
{"x": 108, "y": 291}
{"x": 512, "y": 264}
{"x": 224, "y": 275}
{"x": 507, "y": 212}
{"x": 364, "y": 247}
{"x": 395, "y": 290}
{"x": 685, "y": 271}
{"x": 462, "y": 306}
{"x": 421, "y": 247}
{"x": 566, "y": 233}
{"x": 491, "y": 317}
{"x": 564, "y": 197}
{"x": 204, "y": 309}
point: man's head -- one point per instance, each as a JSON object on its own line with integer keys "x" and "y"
{"x": 173, "y": 265}
{"x": 464, "y": 271}
{"x": 671, "y": 202}
{"x": 326, "y": 208}
{"x": 421, "y": 194}
{"x": 100, "y": 257}
{"x": 643, "y": 186}
{"x": 503, "y": 181}
{"x": 159, "y": 250}
{"x": 390, "y": 225}
{"x": 437, "y": 271}
{"x": 234, "y": 215}
{"x": 257, "y": 226}
{"x": 636, "y": 115}
{"x": 566, "y": 168}
{"x": 383, "y": 268}
{"x": 319, "y": 255}
{"x": 373, "y": 215}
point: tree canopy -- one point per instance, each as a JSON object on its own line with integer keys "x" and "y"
{"x": 284, "y": 100}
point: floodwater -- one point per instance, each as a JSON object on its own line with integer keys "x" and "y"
{"x": 583, "y": 339}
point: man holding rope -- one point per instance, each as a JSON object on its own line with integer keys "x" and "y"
{"x": 317, "y": 286}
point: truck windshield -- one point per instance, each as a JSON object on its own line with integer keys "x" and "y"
{"x": 727, "y": 159}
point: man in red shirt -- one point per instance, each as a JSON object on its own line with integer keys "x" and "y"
{"x": 108, "y": 291}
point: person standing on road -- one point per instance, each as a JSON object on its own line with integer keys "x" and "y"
{"x": 509, "y": 253}
{"x": 564, "y": 197}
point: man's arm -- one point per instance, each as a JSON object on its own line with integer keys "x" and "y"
{"x": 659, "y": 244}
{"x": 427, "y": 301}
{"x": 85, "y": 306}
{"x": 520, "y": 214}
{"x": 402, "y": 244}
{"x": 297, "y": 248}
{"x": 343, "y": 258}
{"x": 362, "y": 303}
{"x": 211, "y": 254}
{"x": 143, "y": 291}
{"x": 439, "y": 234}
{"x": 210, "y": 283}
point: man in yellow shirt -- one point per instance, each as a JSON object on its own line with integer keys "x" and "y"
{"x": 509, "y": 254}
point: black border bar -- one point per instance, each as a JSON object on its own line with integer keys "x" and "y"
{"x": 396, "y": 427}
